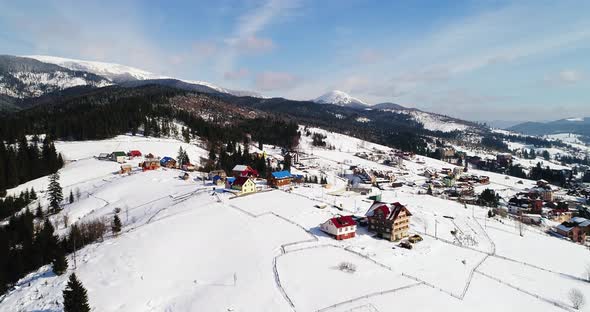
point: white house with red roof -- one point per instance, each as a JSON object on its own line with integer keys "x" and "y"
{"x": 341, "y": 227}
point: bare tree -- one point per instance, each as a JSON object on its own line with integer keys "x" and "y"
{"x": 577, "y": 299}
{"x": 588, "y": 272}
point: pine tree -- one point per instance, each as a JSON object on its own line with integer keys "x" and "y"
{"x": 39, "y": 211}
{"x": 55, "y": 192}
{"x": 60, "y": 263}
{"x": 75, "y": 296}
{"x": 71, "y": 197}
{"x": 116, "y": 227}
{"x": 32, "y": 194}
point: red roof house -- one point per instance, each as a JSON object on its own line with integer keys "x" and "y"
{"x": 341, "y": 227}
{"x": 134, "y": 153}
{"x": 244, "y": 171}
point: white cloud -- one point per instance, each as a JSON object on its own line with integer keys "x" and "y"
{"x": 273, "y": 81}
{"x": 251, "y": 44}
{"x": 236, "y": 75}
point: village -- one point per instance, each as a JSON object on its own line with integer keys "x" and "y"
{"x": 371, "y": 223}
{"x": 541, "y": 205}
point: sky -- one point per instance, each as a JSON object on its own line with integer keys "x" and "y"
{"x": 477, "y": 60}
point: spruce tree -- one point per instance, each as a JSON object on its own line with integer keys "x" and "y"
{"x": 71, "y": 197}
{"x": 55, "y": 192}
{"x": 39, "y": 211}
{"x": 32, "y": 194}
{"x": 60, "y": 263}
{"x": 75, "y": 296}
{"x": 116, "y": 227}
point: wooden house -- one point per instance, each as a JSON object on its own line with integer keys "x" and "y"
{"x": 389, "y": 221}
{"x": 134, "y": 153}
{"x": 188, "y": 167}
{"x": 280, "y": 178}
{"x": 244, "y": 184}
{"x": 219, "y": 173}
{"x": 168, "y": 162}
{"x": 150, "y": 164}
{"x": 571, "y": 231}
{"x": 103, "y": 156}
{"x": 125, "y": 168}
{"x": 118, "y": 156}
{"x": 341, "y": 227}
{"x": 244, "y": 171}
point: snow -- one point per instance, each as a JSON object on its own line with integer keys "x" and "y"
{"x": 37, "y": 84}
{"x": 432, "y": 121}
{"x": 337, "y": 97}
{"x": 114, "y": 71}
{"x": 184, "y": 249}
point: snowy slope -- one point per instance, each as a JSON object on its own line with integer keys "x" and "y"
{"x": 184, "y": 249}
{"x": 122, "y": 73}
{"x": 24, "y": 77}
{"x": 339, "y": 98}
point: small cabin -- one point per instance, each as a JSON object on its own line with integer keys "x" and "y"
{"x": 125, "y": 168}
{"x": 219, "y": 173}
{"x": 188, "y": 167}
{"x": 168, "y": 162}
{"x": 150, "y": 164}
{"x": 119, "y": 156}
{"x": 134, "y": 153}
{"x": 244, "y": 171}
{"x": 103, "y": 156}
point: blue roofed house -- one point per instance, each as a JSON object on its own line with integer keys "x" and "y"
{"x": 280, "y": 178}
{"x": 168, "y": 162}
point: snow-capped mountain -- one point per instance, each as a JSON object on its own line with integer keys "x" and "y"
{"x": 24, "y": 77}
{"x": 118, "y": 73}
{"x": 340, "y": 98}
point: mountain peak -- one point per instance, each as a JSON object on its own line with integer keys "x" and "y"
{"x": 339, "y": 98}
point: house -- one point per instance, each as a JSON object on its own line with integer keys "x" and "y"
{"x": 341, "y": 227}
{"x": 542, "y": 183}
{"x": 150, "y": 164}
{"x": 103, "y": 156}
{"x": 389, "y": 221}
{"x": 504, "y": 159}
{"x": 245, "y": 185}
{"x": 188, "y": 167}
{"x": 219, "y": 173}
{"x": 449, "y": 181}
{"x": 218, "y": 180}
{"x": 168, "y": 162}
{"x": 118, "y": 156}
{"x": 134, "y": 153}
{"x": 571, "y": 231}
{"x": 244, "y": 171}
{"x": 280, "y": 178}
{"x": 125, "y": 168}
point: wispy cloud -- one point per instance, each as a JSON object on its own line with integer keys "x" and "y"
{"x": 236, "y": 75}
{"x": 564, "y": 77}
{"x": 274, "y": 81}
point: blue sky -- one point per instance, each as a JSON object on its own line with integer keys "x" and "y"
{"x": 480, "y": 60}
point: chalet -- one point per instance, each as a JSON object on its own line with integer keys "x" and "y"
{"x": 150, "y": 164}
{"x": 134, "y": 153}
{"x": 244, "y": 184}
{"x": 342, "y": 227}
{"x": 118, "y": 157}
{"x": 188, "y": 167}
{"x": 103, "y": 156}
{"x": 244, "y": 171}
{"x": 571, "y": 231}
{"x": 219, "y": 173}
{"x": 389, "y": 221}
{"x": 280, "y": 178}
{"x": 168, "y": 162}
{"x": 125, "y": 168}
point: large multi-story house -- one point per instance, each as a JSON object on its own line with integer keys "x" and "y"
{"x": 389, "y": 220}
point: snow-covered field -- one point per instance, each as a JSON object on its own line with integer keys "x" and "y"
{"x": 185, "y": 247}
